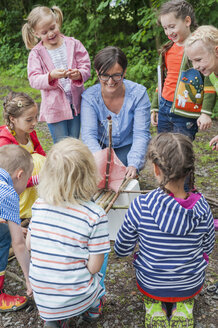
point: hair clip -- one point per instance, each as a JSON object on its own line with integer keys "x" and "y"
{"x": 19, "y": 104}
{"x": 52, "y": 10}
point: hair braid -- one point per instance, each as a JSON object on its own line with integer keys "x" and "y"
{"x": 174, "y": 155}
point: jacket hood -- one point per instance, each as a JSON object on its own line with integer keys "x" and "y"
{"x": 4, "y": 132}
{"x": 171, "y": 217}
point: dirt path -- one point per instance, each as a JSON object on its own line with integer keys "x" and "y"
{"x": 124, "y": 307}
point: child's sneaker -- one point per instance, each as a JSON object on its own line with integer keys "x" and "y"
{"x": 57, "y": 324}
{"x": 182, "y": 314}
{"x": 155, "y": 317}
{"x": 93, "y": 313}
{"x": 12, "y": 303}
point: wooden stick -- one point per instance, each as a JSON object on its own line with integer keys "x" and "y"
{"x": 123, "y": 185}
{"x": 109, "y": 198}
{"x": 212, "y": 201}
{"x": 117, "y": 207}
{"x": 109, "y": 152}
{"x": 104, "y": 198}
{"x": 11, "y": 258}
{"x": 15, "y": 277}
{"x": 98, "y": 194}
{"x": 136, "y": 191}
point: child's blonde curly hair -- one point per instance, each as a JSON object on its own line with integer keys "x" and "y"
{"x": 69, "y": 174}
{"x": 208, "y": 34}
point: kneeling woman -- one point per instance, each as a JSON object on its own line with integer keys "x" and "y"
{"x": 126, "y": 102}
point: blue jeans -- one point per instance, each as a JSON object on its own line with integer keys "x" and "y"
{"x": 170, "y": 122}
{"x": 63, "y": 129}
{"x": 5, "y": 242}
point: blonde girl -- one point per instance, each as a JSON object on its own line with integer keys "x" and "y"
{"x": 185, "y": 99}
{"x": 202, "y": 49}
{"x": 73, "y": 234}
{"x": 175, "y": 233}
{"x": 20, "y": 114}
{"x": 58, "y": 66}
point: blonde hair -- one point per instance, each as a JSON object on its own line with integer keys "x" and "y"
{"x": 208, "y": 34}
{"x": 15, "y": 104}
{"x": 174, "y": 155}
{"x": 69, "y": 174}
{"x": 33, "y": 19}
{"x": 14, "y": 157}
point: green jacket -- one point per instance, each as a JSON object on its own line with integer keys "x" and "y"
{"x": 214, "y": 81}
{"x": 194, "y": 93}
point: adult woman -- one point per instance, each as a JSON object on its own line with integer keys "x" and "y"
{"x": 128, "y": 105}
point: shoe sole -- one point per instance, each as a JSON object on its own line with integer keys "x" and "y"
{"x": 15, "y": 308}
{"x": 182, "y": 323}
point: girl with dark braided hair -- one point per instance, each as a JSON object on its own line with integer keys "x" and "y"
{"x": 175, "y": 234}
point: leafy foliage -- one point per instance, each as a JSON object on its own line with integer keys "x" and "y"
{"x": 129, "y": 24}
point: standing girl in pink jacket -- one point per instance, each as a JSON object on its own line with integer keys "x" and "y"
{"x": 58, "y": 66}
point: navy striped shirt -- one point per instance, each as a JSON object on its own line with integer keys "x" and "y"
{"x": 172, "y": 240}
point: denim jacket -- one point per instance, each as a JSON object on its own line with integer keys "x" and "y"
{"x": 129, "y": 127}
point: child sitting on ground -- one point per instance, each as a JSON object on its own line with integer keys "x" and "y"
{"x": 68, "y": 237}
{"x": 15, "y": 169}
{"x": 202, "y": 49}
{"x": 20, "y": 113}
{"x": 175, "y": 232}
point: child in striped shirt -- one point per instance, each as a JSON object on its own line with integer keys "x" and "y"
{"x": 175, "y": 233}
{"x": 68, "y": 237}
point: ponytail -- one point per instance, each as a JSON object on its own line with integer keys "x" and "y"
{"x": 28, "y": 37}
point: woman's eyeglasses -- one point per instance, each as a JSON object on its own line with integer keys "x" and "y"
{"x": 114, "y": 77}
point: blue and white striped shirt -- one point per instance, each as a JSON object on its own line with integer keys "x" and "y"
{"x": 9, "y": 199}
{"x": 62, "y": 238}
{"x": 172, "y": 240}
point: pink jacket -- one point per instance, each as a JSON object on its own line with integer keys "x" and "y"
{"x": 54, "y": 105}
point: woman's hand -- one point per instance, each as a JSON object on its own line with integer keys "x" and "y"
{"x": 204, "y": 122}
{"x": 131, "y": 172}
{"x": 154, "y": 118}
{"x": 73, "y": 74}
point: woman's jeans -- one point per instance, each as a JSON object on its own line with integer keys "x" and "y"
{"x": 63, "y": 129}
{"x": 170, "y": 122}
{"x": 5, "y": 242}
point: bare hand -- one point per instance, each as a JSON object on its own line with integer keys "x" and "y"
{"x": 204, "y": 122}
{"x": 24, "y": 231}
{"x": 131, "y": 172}
{"x": 154, "y": 118}
{"x": 59, "y": 73}
{"x": 214, "y": 143}
{"x": 73, "y": 74}
{"x": 29, "y": 290}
